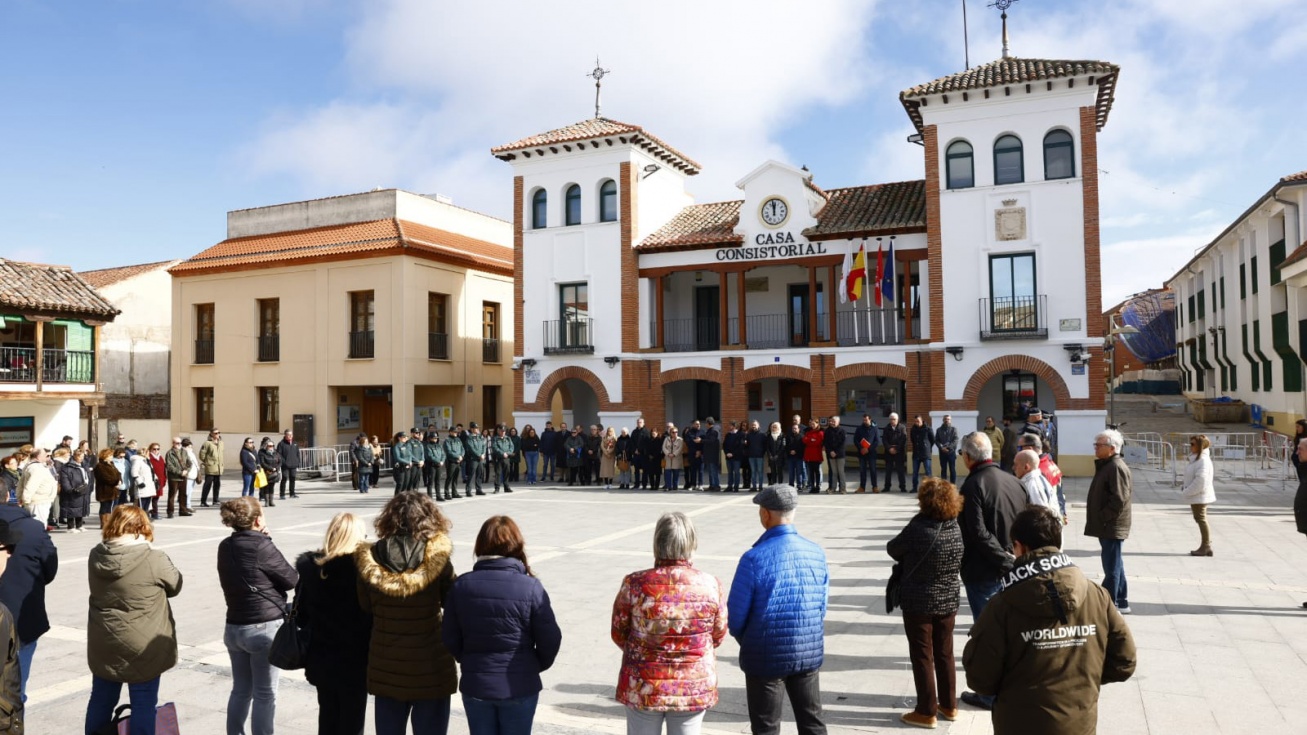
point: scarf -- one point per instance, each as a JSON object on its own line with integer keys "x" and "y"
{"x": 134, "y": 540}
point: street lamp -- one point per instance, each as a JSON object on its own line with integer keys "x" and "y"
{"x": 1111, "y": 376}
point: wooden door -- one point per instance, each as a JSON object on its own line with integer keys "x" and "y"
{"x": 796, "y": 397}
{"x": 377, "y": 419}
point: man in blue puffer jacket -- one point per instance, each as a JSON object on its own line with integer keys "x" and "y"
{"x": 778, "y": 605}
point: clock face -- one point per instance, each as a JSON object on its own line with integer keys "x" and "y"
{"x": 775, "y": 211}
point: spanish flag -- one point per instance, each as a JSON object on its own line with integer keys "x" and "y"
{"x": 856, "y": 276}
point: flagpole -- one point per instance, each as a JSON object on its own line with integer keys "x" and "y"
{"x": 866, "y": 267}
{"x": 856, "y": 336}
{"x": 894, "y": 287}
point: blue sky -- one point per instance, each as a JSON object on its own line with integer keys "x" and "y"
{"x": 132, "y": 126}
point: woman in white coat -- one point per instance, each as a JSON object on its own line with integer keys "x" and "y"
{"x": 1198, "y": 490}
{"x": 143, "y": 485}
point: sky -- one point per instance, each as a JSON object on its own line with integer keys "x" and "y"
{"x": 131, "y": 127}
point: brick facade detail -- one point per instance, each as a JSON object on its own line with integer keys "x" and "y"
{"x": 519, "y": 214}
{"x": 1026, "y": 364}
{"x": 122, "y": 406}
{"x": 934, "y": 238}
{"x": 630, "y": 285}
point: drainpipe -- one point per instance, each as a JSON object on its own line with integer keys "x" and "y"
{"x": 1297, "y": 240}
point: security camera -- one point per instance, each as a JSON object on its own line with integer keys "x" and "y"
{"x": 517, "y": 365}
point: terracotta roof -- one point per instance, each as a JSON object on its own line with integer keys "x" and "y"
{"x": 1011, "y": 71}
{"x": 50, "y": 288}
{"x": 361, "y": 239}
{"x": 109, "y": 276}
{"x": 697, "y": 226}
{"x": 865, "y": 210}
{"x": 1295, "y": 256}
{"x": 1300, "y": 176}
{"x": 591, "y": 130}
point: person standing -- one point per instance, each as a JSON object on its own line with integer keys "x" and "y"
{"x": 895, "y": 438}
{"x": 1010, "y": 446}
{"x": 624, "y": 459}
{"x": 593, "y": 449}
{"x": 289, "y": 453}
{"x": 131, "y": 637}
{"x": 404, "y": 580}
{"x": 693, "y": 438}
{"x": 177, "y": 466}
{"x": 834, "y": 441}
{"x": 777, "y": 613}
{"x": 474, "y": 455}
{"x": 652, "y": 450}
{"x": 31, "y": 564}
{"x": 929, "y": 548}
{"x": 107, "y": 479}
{"x": 991, "y": 500}
{"x": 608, "y": 458}
{"x": 673, "y": 459}
{"x": 548, "y": 452}
{"x": 946, "y": 439}
{"x": 362, "y": 452}
{"x": 1049, "y": 641}
{"x": 192, "y": 477}
{"x": 733, "y": 448}
{"x": 638, "y": 457}
{"x": 995, "y": 435}
{"x": 327, "y": 605}
{"x": 1038, "y": 490}
{"x": 531, "y": 451}
{"x": 923, "y": 443}
{"x": 255, "y": 578}
{"x": 74, "y": 491}
{"x": 574, "y": 450}
{"x": 515, "y": 459}
{"x": 866, "y": 439}
{"x": 249, "y": 466}
{"x": 794, "y": 456}
{"x": 211, "y": 457}
{"x": 417, "y": 459}
{"x": 561, "y": 454}
{"x": 710, "y": 449}
{"x": 11, "y": 675}
{"x": 1199, "y": 490}
{"x": 1107, "y": 512}
{"x": 500, "y": 628}
{"x": 399, "y": 461}
{"x": 38, "y": 487}
{"x": 501, "y": 453}
{"x": 270, "y": 463}
{"x": 159, "y": 470}
{"x": 669, "y": 621}
{"x": 813, "y": 452}
{"x": 1299, "y": 433}
{"x": 433, "y": 463}
{"x": 453, "y": 463}
{"x": 775, "y": 440}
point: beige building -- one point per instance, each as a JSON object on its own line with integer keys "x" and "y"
{"x": 370, "y": 312}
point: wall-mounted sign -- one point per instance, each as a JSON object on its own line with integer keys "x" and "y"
{"x": 347, "y": 417}
{"x": 1077, "y": 368}
{"x": 531, "y": 376}
{"x": 16, "y": 431}
{"x": 1069, "y": 325}
{"x": 771, "y": 246}
{"x": 1010, "y": 222}
{"x": 439, "y": 417}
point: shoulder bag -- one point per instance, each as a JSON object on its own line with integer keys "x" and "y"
{"x": 290, "y": 644}
{"x": 892, "y": 587}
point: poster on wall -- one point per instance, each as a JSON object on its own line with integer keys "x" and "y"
{"x": 16, "y": 431}
{"x": 878, "y": 403}
{"x": 347, "y": 417}
{"x": 441, "y": 417}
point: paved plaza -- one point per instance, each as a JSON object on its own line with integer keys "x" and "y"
{"x": 1222, "y": 641}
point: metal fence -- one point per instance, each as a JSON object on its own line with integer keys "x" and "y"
{"x": 1246, "y": 456}
{"x": 344, "y": 467}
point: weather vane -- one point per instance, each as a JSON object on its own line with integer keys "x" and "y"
{"x": 600, "y": 72}
{"x": 1003, "y": 5}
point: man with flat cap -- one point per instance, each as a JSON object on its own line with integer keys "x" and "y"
{"x": 778, "y": 608}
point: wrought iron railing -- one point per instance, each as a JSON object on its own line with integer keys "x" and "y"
{"x": 564, "y": 336}
{"x": 204, "y": 351}
{"x": 18, "y": 365}
{"x": 870, "y": 326}
{"x": 362, "y": 344}
{"x": 437, "y": 346}
{"x": 270, "y": 348}
{"x": 489, "y": 350}
{"x": 1009, "y": 317}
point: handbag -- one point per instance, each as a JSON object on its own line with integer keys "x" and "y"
{"x": 290, "y": 644}
{"x": 893, "y": 587}
{"x": 260, "y": 479}
{"x": 165, "y": 721}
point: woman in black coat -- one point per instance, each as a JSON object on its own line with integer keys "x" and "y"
{"x": 270, "y": 463}
{"x": 929, "y": 554}
{"x": 74, "y": 492}
{"x": 652, "y": 450}
{"x": 327, "y": 606}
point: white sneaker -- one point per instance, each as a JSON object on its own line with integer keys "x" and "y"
{"x": 1124, "y": 610}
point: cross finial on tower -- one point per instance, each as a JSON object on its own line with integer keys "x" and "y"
{"x": 1003, "y": 5}
{"x": 598, "y": 75}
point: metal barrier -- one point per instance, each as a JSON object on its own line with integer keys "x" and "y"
{"x": 1258, "y": 456}
{"x": 317, "y": 461}
{"x": 344, "y": 467}
{"x": 1143, "y": 450}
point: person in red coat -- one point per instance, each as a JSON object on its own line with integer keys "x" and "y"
{"x": 813, "y": 455}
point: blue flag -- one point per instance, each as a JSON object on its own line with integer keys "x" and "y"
{"x": 887, "y": 282}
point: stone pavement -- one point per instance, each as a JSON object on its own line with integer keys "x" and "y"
{"x": 1222, "y": 641}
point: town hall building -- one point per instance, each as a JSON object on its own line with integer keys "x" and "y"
{"x": 635, "y": 301}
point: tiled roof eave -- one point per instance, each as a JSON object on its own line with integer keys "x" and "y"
{"x": 816, "y": 235}
{"x": 917, "y": 97}
{"x": 685, "y": 245}
{"x": 282, "y": 252}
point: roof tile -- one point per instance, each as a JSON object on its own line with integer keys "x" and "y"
{"x": 599, "y": 127}
{"x": 109, "y": 276}
{"x": 697, "y": 226}
{"x": 50, "y": 288}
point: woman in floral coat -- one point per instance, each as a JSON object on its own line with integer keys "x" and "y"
{"x": 669, "y": 675}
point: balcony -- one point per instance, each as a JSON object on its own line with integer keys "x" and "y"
{"x": 569, "y": 337}
{"x": 362, "y": 345}
{"x": 18, "y": 365}
{"x": 437, "y": 346}
{"x": 854, "y": 328}
{"x": 489, "y": 350}
{"x": 204, "y": 351}
{"x": 270, "y": 348}
{"x": 1020, "y": 317}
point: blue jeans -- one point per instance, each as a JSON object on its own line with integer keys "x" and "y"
{"x": 732, "y": 473}
{"x": 796, "y": 471}
{"x": 253, "y": 678}
{"x": 532, "y": 459}
{"x": 756, "y": 475}
{"x": 1061, "y": 498}
{"x": 1114, "y": 571}
{"x": 247, "y": 486}
{"x": 500, "y": 716}
{"x": 429, "y": 716}
{"x": 979, "y": 594}
{"x": 671, "y": 479}
{"x": 917, "y": 461}
{"x": 948, "y": 466}
{"x": 867, "y": 468}
{"x": 25, "y": 655}
{"x": 713, "y": 471}
{"x": 363, "y": 481}
{"x": 144, "y": 697}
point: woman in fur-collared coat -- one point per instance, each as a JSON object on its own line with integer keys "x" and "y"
{"x": 403, "y": 581}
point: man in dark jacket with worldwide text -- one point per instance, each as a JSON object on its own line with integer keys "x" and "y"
{"x": 1049, "y": 641}
{"x": 777, "y": 610}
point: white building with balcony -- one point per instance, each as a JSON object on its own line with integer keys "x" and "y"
{"x": 636, "y": 301}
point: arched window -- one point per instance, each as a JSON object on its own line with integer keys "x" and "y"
{"x": 539, "y": 210}
{"x": 1009, "y": 163}
{"x": 573, "y": 213}
{"x": 961, "y": 168}
{"x": 1059, "y": 155}
{"x": 608, "y": 201}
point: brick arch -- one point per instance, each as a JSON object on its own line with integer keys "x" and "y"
{"x": 1024, "y": 363}
{"x": 692, "y": 373}
{"x": 775, "y": 370}
{"x": 555, "y": 381}
{"x": 871, "y": 370}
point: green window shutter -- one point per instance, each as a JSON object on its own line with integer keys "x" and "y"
{"x": 1253, "y": 272}
{"x": 1191, "y": 309}
{"x": 1290, "y": 365}
{"x": 1222, "y": 292}
{"x": 1277, "y": 257}
{"x": 1256, "y": 371}
{"x": 1202, "y": 304}
{"x": 1243, "y": 281}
